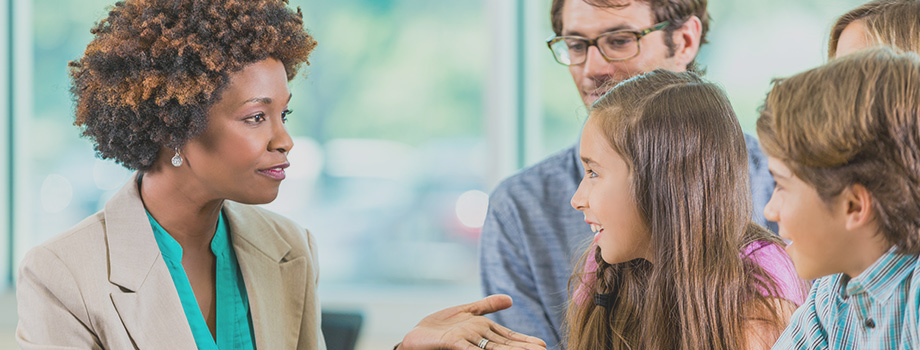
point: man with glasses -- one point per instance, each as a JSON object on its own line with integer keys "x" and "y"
{"x": 532, "y": 236}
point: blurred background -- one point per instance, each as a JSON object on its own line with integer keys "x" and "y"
{"x": 409, "y": 114}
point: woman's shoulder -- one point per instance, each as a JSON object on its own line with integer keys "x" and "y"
{"x": 79, "y": 242}
{"x": 70, "y": 263}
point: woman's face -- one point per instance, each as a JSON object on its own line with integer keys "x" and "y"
{"x": 606, "y": 198}
{"x": 242, "y": 154}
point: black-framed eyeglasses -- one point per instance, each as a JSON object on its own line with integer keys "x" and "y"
{"x": 614, "y": 46}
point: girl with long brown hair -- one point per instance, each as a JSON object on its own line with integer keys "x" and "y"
{"x": 677, "y": 262}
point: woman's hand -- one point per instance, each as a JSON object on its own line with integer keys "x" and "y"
{"x": 464, "y": 328}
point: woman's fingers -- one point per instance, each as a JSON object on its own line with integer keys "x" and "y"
{"x": 487, "y": 305}
{"x": 499, "y": 342}
{"x": 463, "y": 327}
{"x": 507, "y": 333}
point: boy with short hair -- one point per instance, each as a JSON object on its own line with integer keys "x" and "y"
{"x": 843, "y": 144}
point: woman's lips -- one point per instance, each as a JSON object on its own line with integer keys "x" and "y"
{"x": 276, "y": 172}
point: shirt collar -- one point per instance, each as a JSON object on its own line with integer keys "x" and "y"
{"x": 882, "y": 278}
{"x": 172, "y": 250}
{"x": 220, "y": 244}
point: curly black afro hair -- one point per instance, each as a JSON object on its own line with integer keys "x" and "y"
{"x": 155, "y": 67}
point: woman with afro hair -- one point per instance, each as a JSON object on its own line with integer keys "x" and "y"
{"x": 192, "y": 94}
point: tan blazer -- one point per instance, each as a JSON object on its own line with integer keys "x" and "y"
{"x": 103, "y": 284}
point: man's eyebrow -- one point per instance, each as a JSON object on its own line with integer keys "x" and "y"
{"x": 610, "y": 29}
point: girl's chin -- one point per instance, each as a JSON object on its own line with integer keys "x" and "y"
{"x": 612, "y": 259}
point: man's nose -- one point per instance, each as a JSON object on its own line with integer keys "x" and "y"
{"x": 596, "y": 66}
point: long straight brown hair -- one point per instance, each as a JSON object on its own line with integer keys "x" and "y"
{"x": 687, "y": 154}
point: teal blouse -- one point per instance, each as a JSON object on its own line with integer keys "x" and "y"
{"x": 234, "y": 320}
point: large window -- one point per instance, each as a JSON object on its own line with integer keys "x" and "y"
{"x": 409, "y": 114}
{"x": 6, "y": 256}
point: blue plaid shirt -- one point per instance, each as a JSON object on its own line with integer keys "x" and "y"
{"x": 875, "y": 310}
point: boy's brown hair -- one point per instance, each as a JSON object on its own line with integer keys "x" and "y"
{"x": 855, "y": 120}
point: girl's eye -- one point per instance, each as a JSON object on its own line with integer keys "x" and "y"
{"x": 285, "y": 114}
{"x": 591, "y": 173}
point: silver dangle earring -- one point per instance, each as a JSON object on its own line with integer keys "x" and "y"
{"x": 177, "y": 159}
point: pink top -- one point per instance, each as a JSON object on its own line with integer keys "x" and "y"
{"x": 771, "y": 257}
{"x": 774, "y": 260}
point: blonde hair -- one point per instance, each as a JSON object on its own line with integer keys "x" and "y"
{"x": 685, "y": 149}
{"x": 894, "y": 23}
{"x": 855, "y": 120}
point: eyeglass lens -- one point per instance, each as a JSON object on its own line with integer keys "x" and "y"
{"x": 616, "y": 45}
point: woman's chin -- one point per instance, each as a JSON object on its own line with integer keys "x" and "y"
{"x": 257, "y": 198}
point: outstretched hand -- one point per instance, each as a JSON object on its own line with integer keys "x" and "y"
{"x": 463, "y": 328}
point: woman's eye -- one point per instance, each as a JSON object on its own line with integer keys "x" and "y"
{"x": 285, "y": 114}
{"x": 255, "y": 119}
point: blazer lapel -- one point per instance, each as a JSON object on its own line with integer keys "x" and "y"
{"x": 274, "y": 284}
{"x": 148, "y": 303}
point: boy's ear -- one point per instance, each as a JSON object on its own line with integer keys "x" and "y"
{"x": 858, "y": 203}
